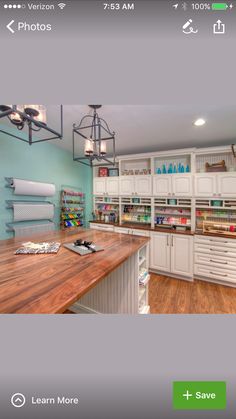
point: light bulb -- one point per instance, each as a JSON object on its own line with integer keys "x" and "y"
{"x": 88, "y": 147}
{"x": 103, "y": 149}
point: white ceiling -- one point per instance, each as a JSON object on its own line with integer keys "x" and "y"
{"x": 153, "y": 128}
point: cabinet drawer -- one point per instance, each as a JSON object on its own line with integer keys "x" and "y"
{"x": 215, "y": 273}
{"x": 215, "y": 261}
{"x": 216, "y": 241}
{"x": 122, "y": 230}
{"x": 140, "y": 233}
{"x": 102, "y": 227}
{"x": 215, "y": 250}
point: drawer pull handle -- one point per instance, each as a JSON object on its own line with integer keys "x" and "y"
{"x": 217, "y": 261}
{"x": 217, "y": 273}
{"x": 218, "y": 250}
{"x": 218, "y": 241}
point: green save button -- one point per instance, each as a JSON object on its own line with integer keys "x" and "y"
{"x": 199, "y": 395}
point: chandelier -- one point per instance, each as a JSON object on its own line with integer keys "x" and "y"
{"x": 33, "y": 117}
{"x": 98, "y": 140}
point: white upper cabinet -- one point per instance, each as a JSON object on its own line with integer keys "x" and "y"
{"x": 112, "y": 185}
{"x": 127, "y": 185}
{"x": 143, "y": 185}
{"x": 182, "y": 184}
{"x": 227, "y": 185}
{"x": 99, "y": 186}
{"x": 106, "y": 186}
{"x": 136, "y": 185}
{"x": 162, "y": 185}
{"x": 175, "y": 184}
{"x": 215, "y": 184}
{"x": 205, "y": 184}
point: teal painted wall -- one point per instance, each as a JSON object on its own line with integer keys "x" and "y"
{"x": 41, "y": 162}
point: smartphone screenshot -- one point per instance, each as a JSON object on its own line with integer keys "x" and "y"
{"x": 117, "y": 209}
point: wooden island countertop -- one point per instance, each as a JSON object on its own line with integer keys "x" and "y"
{"x": 50, "y": 283}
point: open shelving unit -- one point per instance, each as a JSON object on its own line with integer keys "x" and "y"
{"x": 173, "y": 212}
{"x": 72, "y": 208}
{"x": 131, "y": 167}
{"x": 210, "y": 156}
{"x": 143, "y": 277}
{"x": 172, "y": 164}
{"x": 136, "y": 210}
{"x": 215, "y": 210}
{"x": 106, "y": 209}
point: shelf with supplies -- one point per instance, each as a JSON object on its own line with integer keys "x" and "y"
{"x": 173, "y": 213}
{"x": 172, "y": 164}
{"x": 218, "y": 212}
{"x": 106, "y": 209}
{"x": 72, "y": 208}
{"x": 136, "y": 210}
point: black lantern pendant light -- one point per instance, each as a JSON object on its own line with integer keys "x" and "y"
{"x": 98, "y": 140}
{"x": 31, "y": 116}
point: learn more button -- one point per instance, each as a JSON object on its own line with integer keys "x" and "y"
{"x": 199, "y": 395}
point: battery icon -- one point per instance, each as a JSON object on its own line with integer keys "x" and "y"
{"x": 219, "y": 6}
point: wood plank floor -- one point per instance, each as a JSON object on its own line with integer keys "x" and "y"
{"x": 175, "y": 296}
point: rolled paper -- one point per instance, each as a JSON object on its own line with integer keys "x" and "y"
{"x": 28, "y": 187}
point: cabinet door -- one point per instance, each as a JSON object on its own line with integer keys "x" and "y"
{"x": 182, "y": 184}
{"x": 143, "y": 185}
{"x": 162, "y": 185}
{"x": 227, "y": 184}
{"x": 205, "y": 184}
{"x": 99, "y": 186}
{"x": 182, "y": 255}
{"x": 113, "y": 185}
{"x": 127, "y": 185}
{"x": 160, "y": 252}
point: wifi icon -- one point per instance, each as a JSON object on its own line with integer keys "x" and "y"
{"x": 61, "y": 5}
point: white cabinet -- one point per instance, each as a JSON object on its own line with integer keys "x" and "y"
{"x": 181, "y": 255}
{"x": 106, "y": 186}
{"x": 136, "y": 185}
{"x": 172, "y": 185}
{"x": 182, "y": 184}
{"x": 172, "y": 253}
{"x": 143, "y": 185}
{"x": 227, "y": 184}
{"x": 160, "y": 252}
{"x": 162, "y": 185}
{"x": 215, "y": 184}
{"x": 215, "y": 259}
{"x": 205, "y": 184}
{"x": 99, "y": 186}
{"x": 112, "y": 185}
{"x": 126, "y": 185}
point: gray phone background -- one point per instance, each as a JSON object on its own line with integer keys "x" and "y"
{"x": 118, "y": 366}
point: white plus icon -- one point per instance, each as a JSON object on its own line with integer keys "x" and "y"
{"x": 187, "y": 395}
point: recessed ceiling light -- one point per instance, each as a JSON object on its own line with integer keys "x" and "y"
{"x": 199, "y": 122}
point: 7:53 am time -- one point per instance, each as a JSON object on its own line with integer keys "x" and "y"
{"x": 118, "y": 6}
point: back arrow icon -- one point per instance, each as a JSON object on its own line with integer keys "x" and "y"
{"x": 9, "y": 26}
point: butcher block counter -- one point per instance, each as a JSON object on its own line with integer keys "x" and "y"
{"x": 51, "y": 283}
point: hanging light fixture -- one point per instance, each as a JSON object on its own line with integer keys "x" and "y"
{"x": 98, "y": 140}
{"x": 34, "y": 117}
